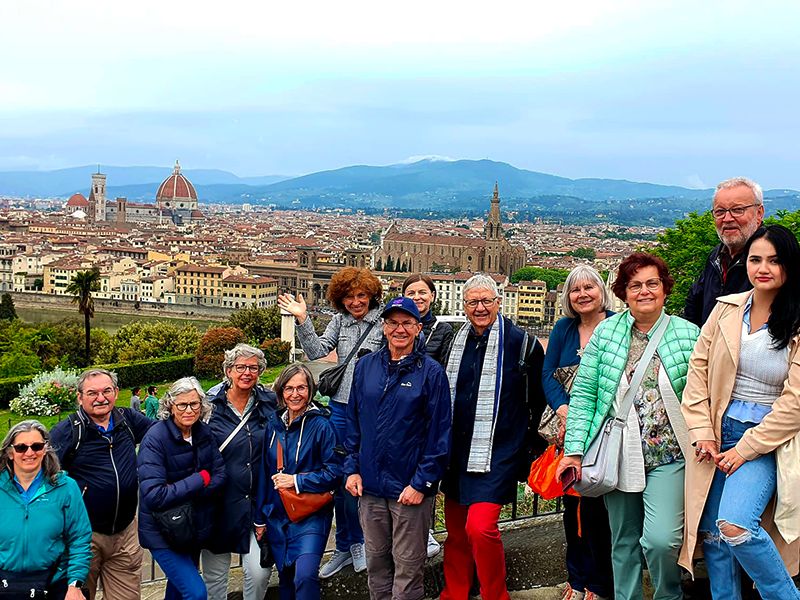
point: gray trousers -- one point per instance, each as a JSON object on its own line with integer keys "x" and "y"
{"x": 396, "y": 541}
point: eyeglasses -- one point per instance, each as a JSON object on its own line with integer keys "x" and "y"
{"x": 736, "y": 212}
{"x": 23, "y": 448}
{"x": 93, "y": 394}
{"x": 243, "y": 368}
{"x": 407, "y": 326}
{"x": 652, "y": 284}
{"x": 487, "y": 302}
{"x": 300, "y": 390}
{"x": 184, "y": 406}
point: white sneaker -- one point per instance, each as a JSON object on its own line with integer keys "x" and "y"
{"x": 338, "y": 561}
{"x": 359, "y": 560}
{"x": 433, "y": 546}
{"x": 570, "y": 594}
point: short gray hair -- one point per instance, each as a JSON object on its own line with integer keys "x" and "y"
{"x": 183, "y": 386}
{"x": 242, "y": 351}
{"x": 50, "y": 465}
{"x": 481, "y": 281}
{"x": 584, "y": 274}
{"x": 758, "y": 193}
{"x": 94, "y": 373}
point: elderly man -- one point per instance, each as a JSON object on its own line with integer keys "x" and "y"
{"x": 495, "y": 374}
{"x": 97, "y": 447}
{"x": 738, "y": 209}
{"x": 398, "y": 437}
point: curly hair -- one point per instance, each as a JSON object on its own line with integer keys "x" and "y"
{"x": 631, "y": 265}
{"x": 350, "y": 279}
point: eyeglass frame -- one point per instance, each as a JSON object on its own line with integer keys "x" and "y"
{"x": 394, "y": 325}
{"x": 724, "y": 211}
{"x": 29, "y": 447}
{"x": 241, "y": 369}
{"x": 487, "y": 302}
{"x": 642, "y": 284}
{"x": 289, "y": 391}
{"x": 187, "y": 405}
{"x": 93, "y": 394}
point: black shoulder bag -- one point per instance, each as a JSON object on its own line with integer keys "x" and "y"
{"x": 331, "y": 379}
{"x": 176, "y": 524}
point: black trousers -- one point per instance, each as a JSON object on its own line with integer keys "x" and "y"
{"x": 588, "y": 546}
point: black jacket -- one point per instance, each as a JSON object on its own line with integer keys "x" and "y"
{"x": 104, "y": 466}
{"x": 709, "y": 286}
{"x": 169, "y": 469}
{"x": 242, "y": 458}
{"x": 437, "y": 344}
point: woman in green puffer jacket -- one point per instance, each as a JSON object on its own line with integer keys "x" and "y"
{"x": 46, "y": 535}
{"x": 646, "y": 510}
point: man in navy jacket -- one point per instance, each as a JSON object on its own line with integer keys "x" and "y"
{"x": 397, "y": 444}
{"x": 97, "y": 447}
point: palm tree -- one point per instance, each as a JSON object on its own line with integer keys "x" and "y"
{"x": 81, "y": 286}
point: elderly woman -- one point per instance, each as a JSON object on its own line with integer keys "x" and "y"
{"x": 299, "y": 456}
{"x": 46, "y": 538}
{"x": 646, "y": 508}
{"x": 741, "y": 407}
{"x": 586, "y": 302}
{"x": 356, "y": 295}
{"x": 181, "y": 471}
{"x": 241, "y": 407}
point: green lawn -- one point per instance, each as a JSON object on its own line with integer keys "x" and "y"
{"x": 8, "y": 419}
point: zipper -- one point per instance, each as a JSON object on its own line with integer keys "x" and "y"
{"x": 116, "y": 477}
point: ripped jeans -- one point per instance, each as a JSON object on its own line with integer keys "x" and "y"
{"x": 740, "y": 500}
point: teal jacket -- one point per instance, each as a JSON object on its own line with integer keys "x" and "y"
{"x": 603, "y": 364}
{"x": 55, "y": 523}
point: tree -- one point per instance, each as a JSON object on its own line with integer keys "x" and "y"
{"x": 389, "y": 264}
{"x": 257, "y": 323}
{"x": 7, "y": 310}
{"x": 437, "y": 308}
{"x": 38, "y": 284}
{"x": 379, "y": 265}
{"x": 81, "y": 286}
{"x": 587, "y": 253}
{"x": 140, "y": 340}
{"x": 551, "y": 277}
{"x": 211, "y": 352}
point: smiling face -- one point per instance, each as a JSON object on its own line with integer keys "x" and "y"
{"x": 735, "y": 231}
{"x": 645, "y": 302}
{"x": 29, "y": 462}
{"x": 248, "y": 377}
{"x": 400, "y": 329}
{"x": 184, "y": 419}
{"x": 357, "y": 303}
{"x": 98, "y": 397}
{"x": 585, "y": 297}
{"x": 763, "y": 269}
{"x": 295, "y": 394}
{"x": 481, "y": 316}
{"x": 422, "y": 296}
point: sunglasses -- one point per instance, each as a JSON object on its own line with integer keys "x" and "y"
{"x": 23, "y": 448}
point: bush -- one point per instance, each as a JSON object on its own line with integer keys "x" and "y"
{"x": 211, "y": 352}
{"x": 257, "y": 323}
{"x": 140, "y": 341}
{"x": 276, "y": 351}
{"x": 142, "y": 372}
{"x": 9, "y": 388}
{"x": 48, "y": 393}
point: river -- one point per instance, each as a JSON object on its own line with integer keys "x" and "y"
{"x": 111, "y": 322}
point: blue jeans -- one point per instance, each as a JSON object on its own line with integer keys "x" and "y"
{"x": 348, "y": 527}
{"x": 740, "y": 500}
{"x": 184, "y": 581}
{"x": 300, "y": 580}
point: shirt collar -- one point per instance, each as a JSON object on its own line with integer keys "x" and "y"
{"x": 746, "y": 316}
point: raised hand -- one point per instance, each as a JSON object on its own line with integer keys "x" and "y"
{"x": 296, "y": 307}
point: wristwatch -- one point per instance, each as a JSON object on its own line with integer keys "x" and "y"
{"x": 76, "y": 584}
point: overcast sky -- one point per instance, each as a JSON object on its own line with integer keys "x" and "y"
{"x": 685, "y": 93}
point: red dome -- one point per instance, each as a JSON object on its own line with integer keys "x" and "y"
{"x": 78, "y": 200}
{"x": 176, "y": 187}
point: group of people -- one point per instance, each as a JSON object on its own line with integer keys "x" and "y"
{"x": 709, "y": 407}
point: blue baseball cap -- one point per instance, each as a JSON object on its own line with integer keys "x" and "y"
{"x": 404, "y": 304}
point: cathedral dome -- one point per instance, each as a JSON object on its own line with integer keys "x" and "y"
{"x": 78, "y": 201}
{"x": 176, "y": 191}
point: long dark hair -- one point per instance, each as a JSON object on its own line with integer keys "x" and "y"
{"x": 784, "y": 320}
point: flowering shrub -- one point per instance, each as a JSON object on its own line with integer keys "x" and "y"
{"x": 48, "y": 394}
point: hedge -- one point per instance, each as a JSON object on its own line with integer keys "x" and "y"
{"x": 140, "y": 372}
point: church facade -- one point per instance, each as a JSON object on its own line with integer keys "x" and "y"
{"x": 429, "y": 253}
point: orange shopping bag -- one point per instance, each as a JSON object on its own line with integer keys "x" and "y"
{"x": 542, "y": 479}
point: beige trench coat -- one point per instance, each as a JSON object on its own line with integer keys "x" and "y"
{"x": 709, "y": 384}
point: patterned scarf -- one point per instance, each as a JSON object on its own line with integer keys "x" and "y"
{"x": 480, "y": 450}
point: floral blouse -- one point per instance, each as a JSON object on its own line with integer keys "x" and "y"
{"x": 659, "y": 443}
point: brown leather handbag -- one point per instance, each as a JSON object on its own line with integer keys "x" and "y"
{"x": 300, "y": 506}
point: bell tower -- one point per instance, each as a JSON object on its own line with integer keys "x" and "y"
{"x": 494, "y": 235}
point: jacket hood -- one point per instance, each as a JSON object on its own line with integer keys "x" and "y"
{"x": 7, "y": 481}
{"x": 277, "y": 427}
{"x": 200, "y": 430}
{"x": 217, "y": 394}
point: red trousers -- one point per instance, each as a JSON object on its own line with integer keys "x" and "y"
{"x": 473, "y": 539}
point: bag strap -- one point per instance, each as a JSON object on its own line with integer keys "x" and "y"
{"x": 237, "y": 430}
{"x": 280, "y": 456}
{"x": 638, "y": 374}
{"x": 430, "y": 335}
{"x": 358, "y": 343}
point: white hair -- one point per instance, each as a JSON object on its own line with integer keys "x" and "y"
{"x": 758, "y": 193}
{"x": 584, "y": 274}
{"x": 481, "y": 281}
{"x": 242, "y": 351}
{"x": 184, "y": 386}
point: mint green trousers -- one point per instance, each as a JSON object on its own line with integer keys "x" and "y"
{"x": 648, "y": 527}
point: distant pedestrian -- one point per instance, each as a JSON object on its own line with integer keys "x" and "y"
{"x": 136, "y": 401}
{"x": 151, "y": 403}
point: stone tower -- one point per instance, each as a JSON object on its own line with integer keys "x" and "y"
{"x": 97, "y": 198}
{"x": 122, "y": 210}
{"x": 494, "y": 236}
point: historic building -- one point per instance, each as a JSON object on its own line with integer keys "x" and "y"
{"x": 428, "y": 253}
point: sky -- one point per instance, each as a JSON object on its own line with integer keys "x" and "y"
{"x": 684, "y": 93}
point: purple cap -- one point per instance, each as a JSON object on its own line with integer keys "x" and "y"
{"x": 404, "y": 304}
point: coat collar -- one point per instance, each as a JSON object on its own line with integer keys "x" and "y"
{"x": 373, "y": 316}
{"x": 730, "y": 322}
